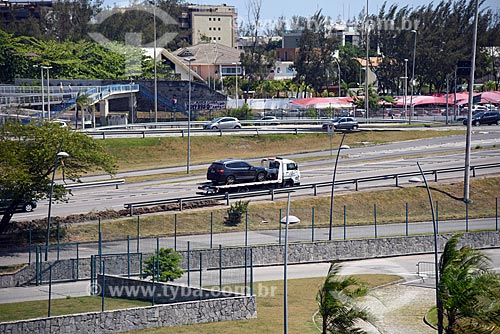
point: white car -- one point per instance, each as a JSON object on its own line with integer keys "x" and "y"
{"x": 267, "y": 120}
{"x": 223, "y": 123}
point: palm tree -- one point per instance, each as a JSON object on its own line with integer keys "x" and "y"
{"x": 84, "y": 101}
{"x": 469, "y": 293}
{"x": 335, "y": 300}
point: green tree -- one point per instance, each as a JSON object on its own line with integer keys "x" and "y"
{"x": 27, "y": 161}
{"x": 164, "y": 265}
{"x": 469, "y": 293}
{"x": 315, "y": 62}
{"x": 336, "y": 304}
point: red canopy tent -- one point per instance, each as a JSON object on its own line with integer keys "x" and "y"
{"x": 324, "y": 102}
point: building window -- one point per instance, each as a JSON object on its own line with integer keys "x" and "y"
{"x": 210, "y": 19}
{"x": 209, "y": 28}
{"x": 219, "y": 29}
{"x": 218, "y": 19}
{"x": 219, "y": 38}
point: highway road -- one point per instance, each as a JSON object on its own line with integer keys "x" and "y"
{"x": 368, "y": 160}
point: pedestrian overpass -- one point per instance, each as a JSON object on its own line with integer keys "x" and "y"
{"x": 56, "y": 100}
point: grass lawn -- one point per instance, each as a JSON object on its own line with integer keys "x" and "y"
{"x": 73, "y": 305}
{"x": 150, "y": 153}
{"x": 390, "y": 204}
{"x": 301, "y": 308}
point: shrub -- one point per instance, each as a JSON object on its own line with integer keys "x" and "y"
{"x": 235, "y": 213}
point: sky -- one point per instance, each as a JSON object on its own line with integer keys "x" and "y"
{"x": 272, "y": 9}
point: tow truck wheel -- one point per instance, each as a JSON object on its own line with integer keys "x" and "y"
{"x": 230, "y": 179}
{"x": 288, "y": 184}
{"x": 261, "y": 177}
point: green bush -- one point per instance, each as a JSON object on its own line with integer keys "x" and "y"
{"x": 168, "y": 265}
{"x": 235, "y": 213}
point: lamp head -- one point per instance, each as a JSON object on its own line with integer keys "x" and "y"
{"x": 62, "y": 154}
{"x": 291, "y": 220}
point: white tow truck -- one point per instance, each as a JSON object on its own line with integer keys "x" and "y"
{"x": 280, "y": 173}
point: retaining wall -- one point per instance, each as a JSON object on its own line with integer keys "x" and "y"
{"x": 223, "y": 309}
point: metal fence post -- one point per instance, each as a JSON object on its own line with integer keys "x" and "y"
{"x": 312, "y": 224}
{"x": 246, "y": 268}
{"x": 58, "y": 238}
{"x": 175, "y": 232}
{"x": 220, "y": 267}
{"x": 211, "y": 228}
{"x": 138, "y": 233}
{"x": 158, "y": 258}
{"x": 77, "y": 261}
{"x": 251, "y": 271}
{"x": 246, "y": 228}
{"x": 100, "y": 253}
{"x": 201, "y": 275}
{"x": 188, "y": 262}
{"x": 103, "y": 288}
{"x": 406, "y": 209}
{"x": 128, "y": 256}
{"x": 496, "y": 213}
{"x": 345, "y": 224}
{"x": 375, "y": 218}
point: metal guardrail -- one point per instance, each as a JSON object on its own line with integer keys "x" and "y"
{"x": 314, "y": 186}
{"x": 112, "y": 182}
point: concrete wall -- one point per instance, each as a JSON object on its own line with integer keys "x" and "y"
{"x": 164, "y": 293}
{"x": 223, "y": 309}
{"x": 304, "y": 252}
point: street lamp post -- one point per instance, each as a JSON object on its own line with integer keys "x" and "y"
{"x": 287, "y": 220}
{"x": 59, "y": 156}
{"x": 189, "y": 60}
{"x": 367, "y": 27}
{"x": 434, "y": 226}
{"x": 43, "y": 92}
{"x": 413, "y": 75}
{"x": 333, "y": 187}
{"x": 48, "y": 89}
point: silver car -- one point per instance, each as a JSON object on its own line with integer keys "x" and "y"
{"x": 223, "y": 123}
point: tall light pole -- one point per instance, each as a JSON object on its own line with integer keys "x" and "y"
{"x": 48, "y": 89}
{"x": 59, "y": 156}
{"x": 43, "y": 91}
{"x": 469, "y": 110}
{"x": 413, "y": 74}
{"x": 405, "y": 88}
{"x": 189, "y": 60}
{"x": 333, "y": 187}
{"x": 436, "y": 263}
{"x": 236, "y": 73}
{"x": 287, "y": 220}
{"x": 154, "y": 64}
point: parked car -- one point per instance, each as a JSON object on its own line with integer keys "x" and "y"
{"x": 229, "y": 171}
{"x": 267, "y": 120}
{"x": 346, "y": 123}
{"x": 223, "y": 123}
{"x": 24, "y": 206}
{"x": 485, "y": 117}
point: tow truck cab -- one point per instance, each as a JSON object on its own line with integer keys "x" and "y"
{"x": 283, "y": 170}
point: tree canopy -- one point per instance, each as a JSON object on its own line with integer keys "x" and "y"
{"x": 27, "y": 161}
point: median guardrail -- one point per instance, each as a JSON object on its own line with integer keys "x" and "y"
{"x": 314, "y": 186}
{"x": 112, "y": 182}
